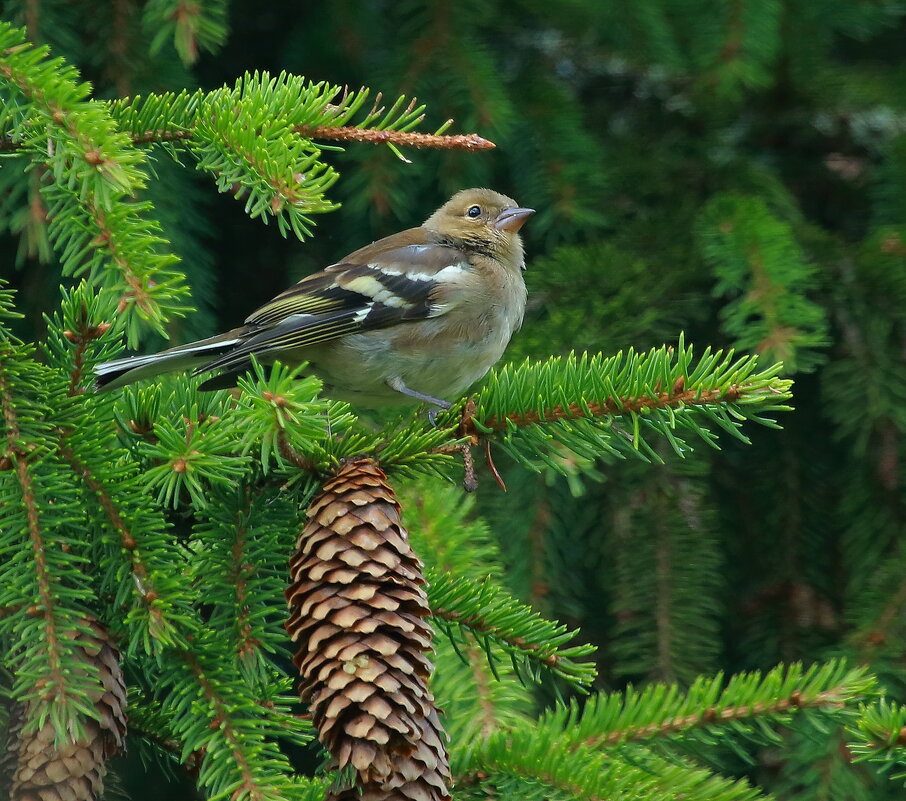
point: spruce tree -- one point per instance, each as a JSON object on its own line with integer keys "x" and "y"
{"x": 731, "y": 171}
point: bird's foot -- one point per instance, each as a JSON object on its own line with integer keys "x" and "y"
{"x": 440, "y": 405}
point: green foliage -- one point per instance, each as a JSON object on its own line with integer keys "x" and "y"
{"x": 581, "y": 398}
{"x": 470, "y": 604}
{"x": 132, "y": 537}
{"x": 94, "y": 228}
{"x": 214, "y": 713}
{"x": 734, "y": 171}
{"x": 668, "y": 582}
{"x": 533, "y": 643}
{"x": 200, "y": 25}
{"x": 42, "y": 556}
{"x": 757, "y": 261}
{"x": 248, "y": 138}
{"x": 580, "y": 772}
{"x": 713, "y": 708}
{"x": 626, "y": 308}
{"x": 878, "y": 737}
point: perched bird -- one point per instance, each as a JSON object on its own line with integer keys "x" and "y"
{"x": 417, "y": 316}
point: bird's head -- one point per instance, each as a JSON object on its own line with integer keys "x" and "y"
{"x": 483, "y": 220}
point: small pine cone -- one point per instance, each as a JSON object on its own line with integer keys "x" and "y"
{"x": 38, "y": 772}
{"x": 357, "y": 612}
{"x": 9, "y": 754}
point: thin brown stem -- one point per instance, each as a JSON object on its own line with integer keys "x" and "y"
{"x": 142, "y": 578}
{"x": 618, "y": 406}
{"x": 240, "y": 568}
{"x": 293, "y": 456}
{"x": 57, "y": 681}
{"x": 162, "y": 135}
{"x": 139, "y": 291}
{"x": 479, "y": 667}
{"x": 399, "y": 138}
{"x": 221, "y": 720}
{"x": 712, "y": 716}
{"x": 477, "y": 623}
{"x": 80, "y": 339}
{"x": 324, "y": 132}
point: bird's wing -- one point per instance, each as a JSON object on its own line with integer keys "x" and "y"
{"x": 391, "y": 281}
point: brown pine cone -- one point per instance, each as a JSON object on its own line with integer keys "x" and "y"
{"x": 36, "y": 771}
{"x": 357, "y": 611}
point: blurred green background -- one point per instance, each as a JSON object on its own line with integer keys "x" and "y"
{"x": 734, "y": 170}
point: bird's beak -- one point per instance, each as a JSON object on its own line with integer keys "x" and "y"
{"x": 512, "y": 219}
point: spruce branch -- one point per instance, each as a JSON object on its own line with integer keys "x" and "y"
{"x": 42, "y": 585}
{"x": 239, "y": 563}
{"x": 761, "y": 266}
{"x": 214, "y": 714}
{"x": 130, "y": 541}
{"x": 283, "y": 416}
{"x": 190, "y": 455}
{"x": 94, "y": 169}
{"x": 619, "y": 406}
{"x": 597, "y": 406}
{"x": 192, "y": 26}
{"x": 491, "y": 614}
{"x": 880, "y": 628}
{"x": 162, "y": 612}
{"x": 222, "y": 720}
{"x": 398, "y": 138}
{"x": 40, "y": 764}
{"x": 477, "y": 700}
{"x": 528, "y": 754}
{"x": 475, "y": 658}
{"x": 257, "y": 138}
{"x": 345, "y": 133}
{"x": 666, "y": 586}
{"x": 318, "y": 111}
{"x": 879, "y": 737}
{"x": 710, "y": 706}
{"x": 46, "y": 608}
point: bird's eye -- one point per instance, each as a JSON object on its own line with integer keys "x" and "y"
{"x": 474, "y": 211}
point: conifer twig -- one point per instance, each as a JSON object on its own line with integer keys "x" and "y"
{"x": 81, "y": 339}
{"x": 877, "y": 632}
{"x": 222, "y": 712}
{"x": 343, "y": 133}
{"x": 490, "y": 613}
{"x": 400, "y": 138}
{"x": 480, "y": 624}
{"x": 141, "y": 575}
{"x": 620, "y": 406}
{"x": 714, "y": 715}
{"x": 288, "y": 452}
{"x": 57, "y": 684}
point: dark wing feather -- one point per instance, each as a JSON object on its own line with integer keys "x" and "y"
{"x": 386, "y": 283}
{"x": 320, "y": 294}
{"x": 317, "y": 294}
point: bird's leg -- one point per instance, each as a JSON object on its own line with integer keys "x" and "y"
{"x": 399, "y": 386}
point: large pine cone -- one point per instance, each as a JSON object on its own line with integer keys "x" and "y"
{"x": 357, "y": 612}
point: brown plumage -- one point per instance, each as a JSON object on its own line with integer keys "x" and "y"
{"x": 421, "y": 314}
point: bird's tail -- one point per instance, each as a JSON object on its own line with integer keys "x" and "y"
{"x": 194, "y": 355}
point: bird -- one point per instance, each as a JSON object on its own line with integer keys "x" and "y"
{"x": 418, "y": 316}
